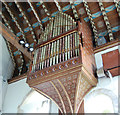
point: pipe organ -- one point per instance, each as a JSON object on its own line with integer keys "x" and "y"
{"x": 63, "y": 65}
{"x": 57, "y": 51}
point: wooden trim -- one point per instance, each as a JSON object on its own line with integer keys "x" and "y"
{"x": 70, "y": 104}
{"x": 57, "y": 37}
{"x": 76, "y": 93}
{"x": 15, "y": 79}
{"x": 10, "y": 37}
{"x": 106, "y": 46}
{"x": 60, "y": 97}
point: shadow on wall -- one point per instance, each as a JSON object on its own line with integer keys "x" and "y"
{"x": 34, "y": 102}
{"x": 101, "y": 101}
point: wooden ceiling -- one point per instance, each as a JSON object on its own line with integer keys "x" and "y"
{"x": 27, "y": 20}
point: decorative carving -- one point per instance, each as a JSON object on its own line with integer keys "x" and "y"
{"x": 57, "y": 67}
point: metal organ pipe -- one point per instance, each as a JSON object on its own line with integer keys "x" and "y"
{"x": 59, "y": 50}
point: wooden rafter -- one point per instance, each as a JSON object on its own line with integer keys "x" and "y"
{"x": 46, "y": 11}
{"x": 19, "y": 77}
{"x": 74, "y": 10}
{"x": 8, "y": 44}
{"x": 9, "y": 36}
{"x": 36, "y": 15}
{"x": 21, "y": 66}
{"x": 17, "y": 24}
{"x": 106, "y": 20}
{"x": 117, "y": 6}
{"x": 26, "y": 19}
{"x": 6, "y": 22}
{"x": 91, "y": 20}
{"x": 58, "y": 5}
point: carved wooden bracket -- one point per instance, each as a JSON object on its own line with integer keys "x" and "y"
{"x": 66, "y": 84}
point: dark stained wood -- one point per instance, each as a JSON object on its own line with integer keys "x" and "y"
{"x": 9, "y": 36}
{"x": 49, "y": 5}
{"x": 40, "y": 11}
{"x": 63, "y": 4}
{"x": 111, "y": 62}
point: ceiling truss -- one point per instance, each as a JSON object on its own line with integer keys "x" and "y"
{"x": 21, "y": 66}
{"x": 9, "y": 36}
{"x": 46, "y": 11}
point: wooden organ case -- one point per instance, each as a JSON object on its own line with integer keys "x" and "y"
{"x": 63, "y": 65}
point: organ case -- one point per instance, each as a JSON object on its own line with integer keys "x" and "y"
{"x": 63, "y": 66}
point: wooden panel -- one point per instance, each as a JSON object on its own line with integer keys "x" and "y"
{"x": 110, "y": 61}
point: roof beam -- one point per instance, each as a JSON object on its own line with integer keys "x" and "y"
{"x": 45, "y": 9}
{"x": 58, "y": 5}
{"x": 17, "y": 24}
{"x": 107, "y": 23}
{"x": 9, "y": 36}
{"x": 117, "y": 6}
{"x": 8, "y": 44}
{"x": 74, "y": 10}
{"x": 26, "y": 19}
{"x": 17, "y": 78}
{"x": 21, "y": 66}
{"x": 36, "y": 15}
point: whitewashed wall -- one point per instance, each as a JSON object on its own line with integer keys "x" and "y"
{"x": 19, "y": 99}
{"x": 6, "y": 69}
{"x": 6, "y": 64}
{"x": 14, "y": 96}
{"x": 107, "y": 88}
